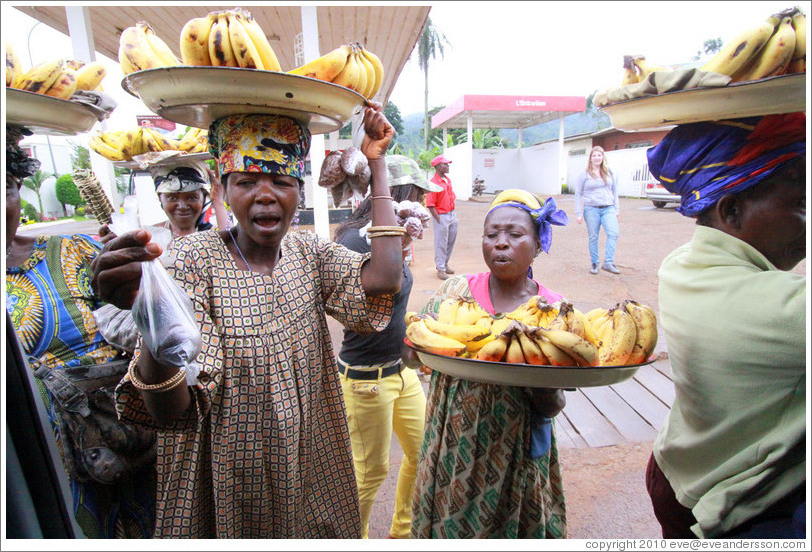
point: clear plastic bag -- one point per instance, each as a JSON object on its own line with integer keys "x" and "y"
{"x": 163, "y": 311}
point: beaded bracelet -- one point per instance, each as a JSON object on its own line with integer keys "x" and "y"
{"x": 166, "y": 385}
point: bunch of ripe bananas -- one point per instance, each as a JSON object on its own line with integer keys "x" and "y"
{"x": 122, "y": 145}
{"x": 230, "y": 38}
{"x": 139, "y": 48}
{"x": 59, "y": 78}
{"x": 538, "y": 333}
{"x": 636, "y": 69}
{"x": 776, "y": 46}
{"x": 350, "y": 65}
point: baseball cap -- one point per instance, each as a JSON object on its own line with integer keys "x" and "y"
{"x": 403, "y": 170}
{"x": 440, "y": 159}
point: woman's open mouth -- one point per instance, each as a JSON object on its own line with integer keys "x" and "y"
{"x": 266, "y": 220}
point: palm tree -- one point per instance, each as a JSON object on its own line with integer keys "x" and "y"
{"x": 487, "y": 139}
{"x": 35, "y": 183}
{"x": 429, "y": 45}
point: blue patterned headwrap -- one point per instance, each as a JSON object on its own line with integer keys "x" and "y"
{"x": 272, "y": 144}
{"x": 544, "y": 216}
{"x": 703, "y": 162}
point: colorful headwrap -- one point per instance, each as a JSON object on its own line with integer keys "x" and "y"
{"x": 177, "y": 175}
{"x": 271, "y": 144}
{"x": 18, "y": 163}
{"x": 703, "y": 162}
{"x": 544, "y": 216}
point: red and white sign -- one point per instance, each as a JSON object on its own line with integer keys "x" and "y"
{"x": 155, "y": 121}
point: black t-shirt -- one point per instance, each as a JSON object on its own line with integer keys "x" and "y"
{"x": 383, "y": 346}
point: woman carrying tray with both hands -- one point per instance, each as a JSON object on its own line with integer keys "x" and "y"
{"x": 259, "y": 447}
{"x": 492, "y": 446}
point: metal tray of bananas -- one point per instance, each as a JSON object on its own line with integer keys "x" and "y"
{"x": 196, "y": 96}
{"x": 47, "y": 115}
{"x": 527, "y": 375}
{"x": 772, "y": 95}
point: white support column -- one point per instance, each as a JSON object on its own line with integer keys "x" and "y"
{"x": 562, "y": 159}
{"x": 470, "y": 121}
{"x": 84, "y": 49}
{"x": 321, "y": 212}
{"x": 445, "y": 139}
{"x": 520, "y": 138}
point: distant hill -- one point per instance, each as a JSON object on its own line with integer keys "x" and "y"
{"x": 578, "y": 123}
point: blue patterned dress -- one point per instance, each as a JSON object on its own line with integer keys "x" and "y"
{"x": 51, "y": 306}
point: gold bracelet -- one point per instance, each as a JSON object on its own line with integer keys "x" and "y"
{"x": 374, "y": 229}
{"x": 380, "y": 197}
{"x": 166, "y": 385}
{"x": 385, "y": 235}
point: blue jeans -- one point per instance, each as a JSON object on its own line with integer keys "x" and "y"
{"x": 596, "y": 217}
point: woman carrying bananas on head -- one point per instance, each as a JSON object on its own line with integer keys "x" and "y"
{"x": 259, "y": 446}
{"x": 495, "y": 442}
{"x": 184, "y": 188}
{"x": 730, "y": 458}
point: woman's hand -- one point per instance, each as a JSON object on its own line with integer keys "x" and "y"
{"x": 216, "y": 187}
{"x": 117, "y": 268}
{"x": 379, "y": 132}
{"x": 105, "y": 234}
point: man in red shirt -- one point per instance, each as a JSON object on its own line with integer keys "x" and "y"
{"x": 441, "y": 206}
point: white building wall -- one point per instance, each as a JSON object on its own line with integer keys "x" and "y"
{"x": 460, "y": 170}
{"x": 59, "y": 164}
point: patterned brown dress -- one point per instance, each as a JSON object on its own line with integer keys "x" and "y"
{"x": 266, "y": 452}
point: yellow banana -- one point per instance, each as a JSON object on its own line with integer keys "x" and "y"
{"x": 485, "y": 322}
{"x": 474, "y": 346}
{"x": 798, "y": 62}
{"x": 90, "y": 75}
{"x": 64, "y": 86}
{"x": 244, "y": 49}
{"x": 774, "y": 58}
{"x": 368, "y": 72}
{"x": 74, "y": 64}
{"x": 99, "y": 146}
{"x": 135, "y": 52}
{"x": 580, "y": 350}
{"x": 532, "y": 351}
{"x": 269, "y": 60}
{"x": 42, "y": 76}
{"x": 547, "y": 314}
{"x": 327, "y": 67}
{"x": 742, "y": 49}
{"x": 377, "y": 66}
{"x": 14, "y": 68}
{"x": 220, "y": 50}
{"x": 495, "y": 350}
{"x": 469, "y": 312}
{"x": 424, "y": 339}
{"x": 646, "y": 68}
{"x": 113, "y": 139}
{"x": 555, "y": 356}
{"x": 164, "y": 142}
{"x": 161, "y": 50}
{"x": 589, "y": 330}
{"x": 500, "y": 325}
{"x": 131, "y": 143}
{"x": 629, "y": 76}
{"x": 646, "y": 324}
{"x": 447, "y": 311}
{"x": 617, "y": 339}
{"x": 350, "y": 75}
{"x": 194, "y": 40}
{"x": 514, "y": 354}
{"x": 461, "y": 332}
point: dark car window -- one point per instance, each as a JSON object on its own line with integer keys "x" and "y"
{"x": 38, "y": 495}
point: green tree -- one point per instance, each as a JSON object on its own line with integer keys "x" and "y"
{"x": 430, "y": 44}
{"x": 80, "y": 156}
{"x": 35, "y": 182}
{"x": 709, "y": 47}
{"x": 67, "y": 193}
{"x": 392, "y": 114}
{"x": 486, "y": 138}
{"x": 455, "y": 135}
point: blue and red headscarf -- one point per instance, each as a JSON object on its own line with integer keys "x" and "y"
{"x": 703, "y": 162}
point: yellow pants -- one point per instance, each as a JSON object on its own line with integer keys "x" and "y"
{"x": 375, "y": 408}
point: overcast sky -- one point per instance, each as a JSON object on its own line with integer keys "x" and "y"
{"x": 511, "y": 48}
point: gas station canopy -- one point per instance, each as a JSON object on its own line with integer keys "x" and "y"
{"x": 390, "y": 32}
{"x": 506, "y": 111}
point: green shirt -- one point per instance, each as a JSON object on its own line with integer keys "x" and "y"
{"x": 734, "y": 440}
